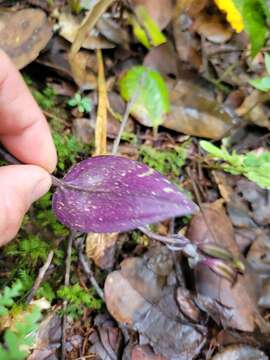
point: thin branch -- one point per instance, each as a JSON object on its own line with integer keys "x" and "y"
{"x": 126, "y": 115}
{"x": 87, "y": 268}
{"x": 40, "y": 278}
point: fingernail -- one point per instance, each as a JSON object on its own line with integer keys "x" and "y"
{"x": 41, "y": 187}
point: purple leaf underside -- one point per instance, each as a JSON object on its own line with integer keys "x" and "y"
{"x": 118, "y": 195}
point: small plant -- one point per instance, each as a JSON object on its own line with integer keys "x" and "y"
{"x": 19, "y": 337}
{"x": 263, "y": 84}
{"x": 167, "y": 162}
{"x": 83, "y": 104}
{"x": 77, "y": 297}
{"x": 254, "y": 165}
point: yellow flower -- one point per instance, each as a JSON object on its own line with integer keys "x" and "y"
{"x": 233, "y": 15}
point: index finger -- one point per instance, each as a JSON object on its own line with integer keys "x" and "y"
{"x": 23, "y": 128}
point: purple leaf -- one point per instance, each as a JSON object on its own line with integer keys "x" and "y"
{"x": 118, "y": 195}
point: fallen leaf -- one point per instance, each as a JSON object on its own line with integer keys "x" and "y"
{"x": 194, "y": 111}
{"x": 101, "y": 249}
{"x": 240, "y": 352}
{"x": 160, "y": 11}
{"x": 138, "y": 296}
{"x": 69, "y": 26}
{"x": 82, "y": 130}
{"x": 212, "y": 28}
{"x": 191, "y": 7}
{"x": 88, "y": 24}
{"x": 112, "y": 31}
{"x": 187, "y": 45}
{"x": 144, "y": 352}
{"x": 82, "y": 68}
{"x": 113, "y": 194}
{"x": 214, "y": 226}
{"x": 162, "y": 59}
{"x": 23, "y": 34}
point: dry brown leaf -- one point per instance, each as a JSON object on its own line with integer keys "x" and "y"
{"x": 82, "y": 65}
{"x": 191, "y": 7}
{"x": 194, "y": 111}
{"x": 139, "y": 296}
{"x": 69, "y": 25}
{"x": 213, "y": 225}
{"x": 163, "y": 59}
{"x": 212, "y": 28}
{"x": 23, "y": 34}
{"x": 88, "y": 23}
{"x": 101, "y": 249}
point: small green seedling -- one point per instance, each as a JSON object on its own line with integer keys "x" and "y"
{"x": 263, "y": 84}
{"x": 84, "y": 104}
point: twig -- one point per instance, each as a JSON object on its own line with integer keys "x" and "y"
{"x": 87, "y": 268}
{"x": 126, "y": 115}
{"x": 67, "y": 279}
{"x": 40, "y": 278}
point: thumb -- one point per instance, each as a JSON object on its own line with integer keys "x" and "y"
{"x": 20, "y": 185}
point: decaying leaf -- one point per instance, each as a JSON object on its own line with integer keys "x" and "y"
{"x": 138, "y": 295}
{"x": 194, "y": 111}
{"x": 23, "y": 34}
{"x": 116, "y": 194}
{"x": 214, "y": 226}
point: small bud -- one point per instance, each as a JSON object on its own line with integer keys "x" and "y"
{"x": 216, "y": 251}
{"x": 239, "y": 265}
{"x": 221, "y": 268}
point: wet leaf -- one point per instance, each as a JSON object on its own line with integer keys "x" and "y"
{"x": 138, "y": 296}
{"x": 152, "y": 101}
{"x": 23, "y": 34}
{"x": 119, "y": 195}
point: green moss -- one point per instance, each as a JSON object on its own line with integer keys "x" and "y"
{"x": 167, "y": 162}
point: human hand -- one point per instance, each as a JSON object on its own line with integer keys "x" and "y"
{"x": 25, "y": 133}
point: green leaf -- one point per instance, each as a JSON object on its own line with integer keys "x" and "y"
{"x": 72, "y": 102}
{"x": 212, "y": 149}
{"x": 140, "y": 34}
{"x": 86, "y": 104}
{"x": 255, "y": 15}
{"x": 148, "y": 91}
{"x": 267, "y": 62}
{"x": 152, "y": 30}
{"x": 262, "y": 84}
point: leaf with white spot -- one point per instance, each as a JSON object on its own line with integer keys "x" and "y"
{"x": 111, "y": 193}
